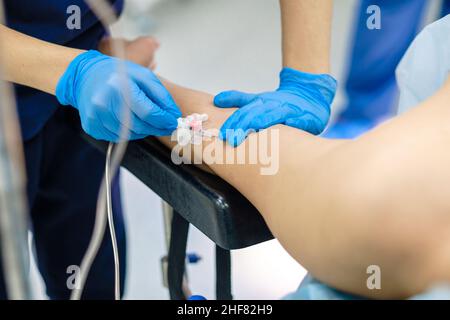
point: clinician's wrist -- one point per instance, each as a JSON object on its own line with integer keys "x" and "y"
{"x": 67, "y": 86}
{"x": 321, "y": 86}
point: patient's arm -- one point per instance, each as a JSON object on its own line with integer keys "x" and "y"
{"x": 340, "y": 206}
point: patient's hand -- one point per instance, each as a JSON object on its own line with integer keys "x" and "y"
{"x": 141, "y": 50}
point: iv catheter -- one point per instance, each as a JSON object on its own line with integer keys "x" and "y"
{"x": 190, "y": 129}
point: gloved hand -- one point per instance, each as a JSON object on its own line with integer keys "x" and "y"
{"x": 92, "y": 84}
{"x": 302, "y": 101}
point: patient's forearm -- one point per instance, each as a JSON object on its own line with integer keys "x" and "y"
{"x": 339, "y": 207}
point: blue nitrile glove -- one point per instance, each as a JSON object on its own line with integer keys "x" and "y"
{"x": 92, "y": 84}
{"x": 302, "y": 101}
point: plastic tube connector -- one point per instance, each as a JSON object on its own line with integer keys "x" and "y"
{"x": 190, "y": 129}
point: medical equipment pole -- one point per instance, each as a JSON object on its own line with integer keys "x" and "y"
{"x": 13, "y": 215}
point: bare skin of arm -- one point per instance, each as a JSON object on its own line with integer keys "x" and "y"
{"x": 39, "y": 64}
{"x": 33, "y": 62}
{"x": 306, "y": 26}
{"x": 340, "y": 206}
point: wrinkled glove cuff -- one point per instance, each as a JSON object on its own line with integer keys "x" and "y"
{"x": 67, "y": 85}
{"x": 321, "y": 87}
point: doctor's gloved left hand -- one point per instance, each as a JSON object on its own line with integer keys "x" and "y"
{"x": 302, "y": 101}
{"x": 93, "y": 84}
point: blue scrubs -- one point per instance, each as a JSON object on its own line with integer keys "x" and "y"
{"x": 63, "y": 171}
{"x": 370, "y": 86}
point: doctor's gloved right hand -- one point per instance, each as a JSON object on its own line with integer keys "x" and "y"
{"x": 92, "y": 84}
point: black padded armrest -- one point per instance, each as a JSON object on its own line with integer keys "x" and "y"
{"x": 205, "y": 200}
